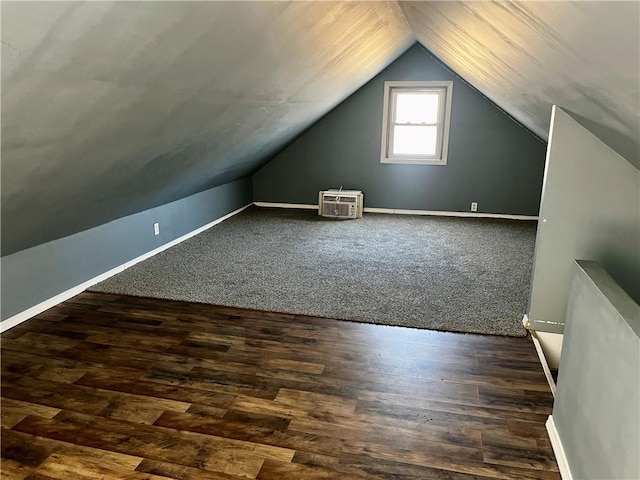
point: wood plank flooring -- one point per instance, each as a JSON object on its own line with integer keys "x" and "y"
{"x": 106, "y": 386}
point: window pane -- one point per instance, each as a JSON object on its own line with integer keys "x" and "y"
{"x": 416, "y": 107}
{"x": 414, "y": 140}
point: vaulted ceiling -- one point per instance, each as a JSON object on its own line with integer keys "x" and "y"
{"x": 110, "y": 108}
{"x": 527, "y": 56}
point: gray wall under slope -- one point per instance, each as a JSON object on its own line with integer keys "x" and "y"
{"x": 597, "y": 406}
{"x": 34, "y": 275}
{"x": 492, "y": 160}
{"x": 590, "y": 209}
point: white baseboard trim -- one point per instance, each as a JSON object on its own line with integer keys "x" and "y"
{"x": 435, "y": 213}
{"x": 304, "y": 206}
{"x": 558, "y": 449}
{"x": 543, "y": 361}
{"x": 72, "y": 292}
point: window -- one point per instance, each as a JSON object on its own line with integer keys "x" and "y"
{"x": 416, "y": 122}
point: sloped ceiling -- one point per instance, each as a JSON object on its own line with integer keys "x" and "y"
{"x": 527, "y": 56}
{"x": 110, "y": 108}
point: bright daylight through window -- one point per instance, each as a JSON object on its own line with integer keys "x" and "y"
{"x": 416, "y": 122}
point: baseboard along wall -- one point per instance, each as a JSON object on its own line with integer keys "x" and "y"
{"x": 436, "y": 213}
{"x": 72, "y": 292}
{"x": 558, "y": 449}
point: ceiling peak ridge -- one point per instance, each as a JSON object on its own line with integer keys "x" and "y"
{"x": 462, "y": 79}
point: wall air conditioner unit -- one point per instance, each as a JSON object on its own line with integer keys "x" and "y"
{"x": 340, "y": 203}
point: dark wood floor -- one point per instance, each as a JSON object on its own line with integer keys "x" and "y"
{"x": 106, "y": 386}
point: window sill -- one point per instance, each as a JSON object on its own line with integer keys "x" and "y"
{"x": 414, "y": 161}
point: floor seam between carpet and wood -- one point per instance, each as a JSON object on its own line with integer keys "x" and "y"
{"x": 452, "y": 274}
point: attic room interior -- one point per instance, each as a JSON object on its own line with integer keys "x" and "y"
{"x": 179, "y": 301}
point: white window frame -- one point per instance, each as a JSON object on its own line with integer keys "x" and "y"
{"x": 391, "y": 89}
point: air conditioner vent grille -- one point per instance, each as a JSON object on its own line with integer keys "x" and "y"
{"x": 342, "y": 199}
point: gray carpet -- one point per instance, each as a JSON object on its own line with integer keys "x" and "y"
{"x": 463, "y": 275}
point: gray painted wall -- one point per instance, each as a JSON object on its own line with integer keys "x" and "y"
{"x": 590, "y": 209}
{"x": 36, "y": 274}
{"x": 492, "y": 160}
{"x": 597, "y": 406}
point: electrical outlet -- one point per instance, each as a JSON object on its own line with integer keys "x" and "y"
{"x": 156, "y": 229}
{"x": 474, "y": 206}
